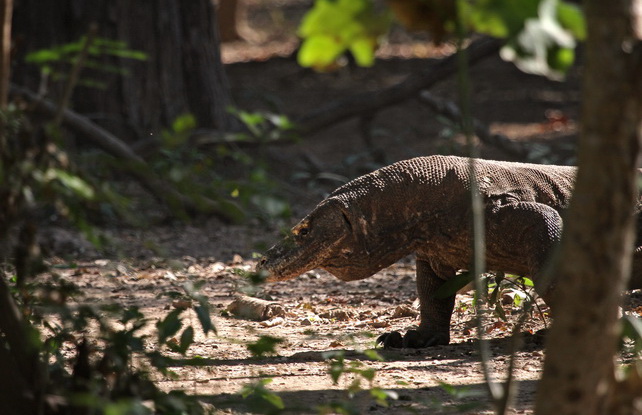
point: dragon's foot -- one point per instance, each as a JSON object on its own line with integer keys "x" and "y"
{"x": 413, "y": 339}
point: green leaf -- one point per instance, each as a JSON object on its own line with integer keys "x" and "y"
{"x": 331, "y": 28}
{"x": 259, "y": 396}
{"x": 571, "y": 18}
{"x": 382, "y": 396}
{"x": 131, "y": 313}
{"x": 540, "y": 33}
{"x": 373, "y": 355}
{"x": 498, "y": 18}
{"x": 42, "y": 56}
{"x": 169, "y": 326}
{"x": 368, "y": 374}
{"x": 184, "y": 123}
{"x": 72, "y": 182}
{"x": 454, "y": 284}
{"x": 264, "y": 345}
{"x": 362, "y": 50}
{"x": 336, "y": 369}
{"x": 319, "y": 52}
{"x": 203, "y": 313}
{"x": 187, "y": 338}
{"x": 527, "y": 281}
{"x": 275, "y": 400}
{"x": 543, "y": 47}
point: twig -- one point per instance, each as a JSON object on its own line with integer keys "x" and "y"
{"x": 17, "y": 336}
{"x": 133, "y": 163}
{"x": 478, "y": 225}
{"x": 75, "y": 73}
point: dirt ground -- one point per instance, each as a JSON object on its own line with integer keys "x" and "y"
{"x": 324, "y": 314}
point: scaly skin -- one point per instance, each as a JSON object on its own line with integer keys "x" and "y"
{"x": 422, "y": 206}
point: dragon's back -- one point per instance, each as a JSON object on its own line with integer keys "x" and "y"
{"x": 431, "y": 179}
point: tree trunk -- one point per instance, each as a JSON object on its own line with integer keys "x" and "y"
{"x": 183, "y": 72}
{"x": 227, "y": 20}
{"x": 6, "y": 11}
{"x": 594, "y": 261}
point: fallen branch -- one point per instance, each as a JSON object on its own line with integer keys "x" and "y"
{"x": 365, "y": 104}
{"x": 451, "y": 111}
{"x": 371, "y": 102}
{"x": 133, "y": 163}
{"x": 255, "y": 308}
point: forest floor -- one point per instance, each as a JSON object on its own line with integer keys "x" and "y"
{"x": 324, "y": 315}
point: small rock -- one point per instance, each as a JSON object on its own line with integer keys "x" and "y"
{"x": 306, "y": 322}
{"x": 273, "y": 322}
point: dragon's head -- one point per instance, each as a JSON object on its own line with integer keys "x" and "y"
{"x": 330, "y": 237}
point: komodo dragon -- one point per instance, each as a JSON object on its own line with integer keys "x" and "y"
{"x": 422, "y": 206}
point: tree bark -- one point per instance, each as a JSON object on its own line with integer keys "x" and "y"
{"x": 594, "y": 261}
{"x": 19, "y": 359}
{"x": 6, "y": 11}
{"x": 183, "y": 72}
{"x": 227, "y": 20}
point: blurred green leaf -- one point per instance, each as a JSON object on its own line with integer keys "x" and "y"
{"x": 331, "y": 28}
{"x": 571, "y": 18}
{"x": 373, "y": 355}
{"x": 186, "y": 340}
{"x": 320, "y": 52}
{"x": 451, "y": 286}
{"x": 544, "y": 46}
{"x": 265, "y": 345}
{"x": 261, "y": 399}
{"x": 42, "y": 56}
{"x": 169, "y": 326}
{"x": 184, "y": 123}
{"x": 203, "y": 313}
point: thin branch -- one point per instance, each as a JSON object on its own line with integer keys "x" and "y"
{"x": 16, "y": 334}
{"x": 6, "y": 10}
{"x": 478, "y": 225}
{"x": 133, "y": 163}
{"x": 75, "y": 73}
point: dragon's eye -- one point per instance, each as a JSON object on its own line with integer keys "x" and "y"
{"x": 303, "y": 231}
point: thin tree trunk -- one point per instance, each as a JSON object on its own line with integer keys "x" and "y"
{"x": 183, "y": 72}
{"x": 6, "y": 11}
{"x": 227, "y": 20}
{"x": 18, "y": 364}
{"x": 594, "y": 261}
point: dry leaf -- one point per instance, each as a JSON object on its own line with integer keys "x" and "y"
{"x": 182, "y": 304}
{"x": 404, "y": 311}
{"x": 339, "y": 315}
